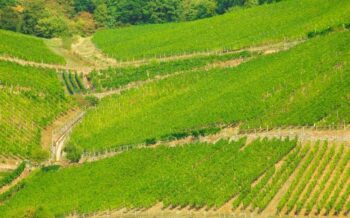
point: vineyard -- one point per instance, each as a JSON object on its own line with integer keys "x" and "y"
{"x": 289, "y": 88}
{"x": 240, "y": 28}
{"x": 242, "y": 113}
{"x": 180, "y": 176}
{"x": 27, "y": 48}
{"x": 117, "y": 77}
{"x": 30, "y": 99}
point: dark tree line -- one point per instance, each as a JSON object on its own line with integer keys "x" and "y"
{"x": 66, "y": 17}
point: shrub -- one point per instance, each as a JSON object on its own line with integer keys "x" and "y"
{"x": 73, "y": 153}
{"x": 50, "y": 168}
{"x": 151, "y": 141}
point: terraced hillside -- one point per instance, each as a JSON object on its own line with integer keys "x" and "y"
{"x": 30, "y": 99}
{"x": 287, "y": 20}
{"x": 245, "y": 113}
{"x": 27, "y": 47}
{"x": 307, "y": 85}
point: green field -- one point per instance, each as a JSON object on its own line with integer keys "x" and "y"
{"x": 290, "y": 19}
{"x": 30, "y": 99}
{"x": 307, "y": 85}
{"x": 27, "y": 48}
{"x": 117, "y": 77}
{"x": 184, "y": 175}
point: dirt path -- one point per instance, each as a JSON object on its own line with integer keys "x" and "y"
{"x": 49, "y": 134}
{"x": 87, "y": 51}
{"x": 72, "y": 60}
{"x": 61, "y": 135}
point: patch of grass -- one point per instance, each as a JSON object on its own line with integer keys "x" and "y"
{"x": 27, "y": 48}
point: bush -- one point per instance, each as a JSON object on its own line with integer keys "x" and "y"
{"x": 40, "y": 155}
{"x": 74, "y": 153}
{"x": 92, "y": 101}
{"x": 319, "y": 33}
{"x": 151, "y": 141}
{"x": 50, "y": 168}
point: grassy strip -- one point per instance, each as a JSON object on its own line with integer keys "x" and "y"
{"x": 68, "y": 83}
{"x": 78, "y": 79}
{"x": 74, "y": 83}
{"x": 13, "y": 175}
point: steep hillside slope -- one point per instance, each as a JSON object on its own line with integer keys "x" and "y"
{"x": 27, "y": 47}
{"x": 188, "y": 175}
{"x": 30, "y": 99}
{"x": 286, "y": 20}
{"x": 307, "y": 85}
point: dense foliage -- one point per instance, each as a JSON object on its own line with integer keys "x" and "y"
{"x": 117, "y": 77}
{"x": 178, "y": 176}
{"x": 289, "y": 20}
{"x": 27, "y": 48}
{"x": 30, "y": 99}
{"x": 307, "y": 85}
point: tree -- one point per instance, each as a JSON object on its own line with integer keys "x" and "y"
{"x": 84, "y": 5}
{"x": 6, "y": 3}
{"x": 34, "y": 10}
{"x": 10, "y": 19}
{"x": 85, "y": 23}
{"x": 102, "y": 16}
{"x": 49, "y": 27}
{"x": 160, "y": 11}
{"x": 224, "y": 5}
{"x": 130, "y": 12}
{"x": 197, "y": 9}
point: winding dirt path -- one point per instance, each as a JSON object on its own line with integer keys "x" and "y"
{"x": 62, "y": 134}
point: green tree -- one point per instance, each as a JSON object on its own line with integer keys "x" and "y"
{"x": 197, "y": 9}
{"x": 102, "y": 16}
{"x": 10, "y": 19}
{"x": 160, "y": 11}
{"x": 34, "y": 10}
{"x": 49, "y": 27}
